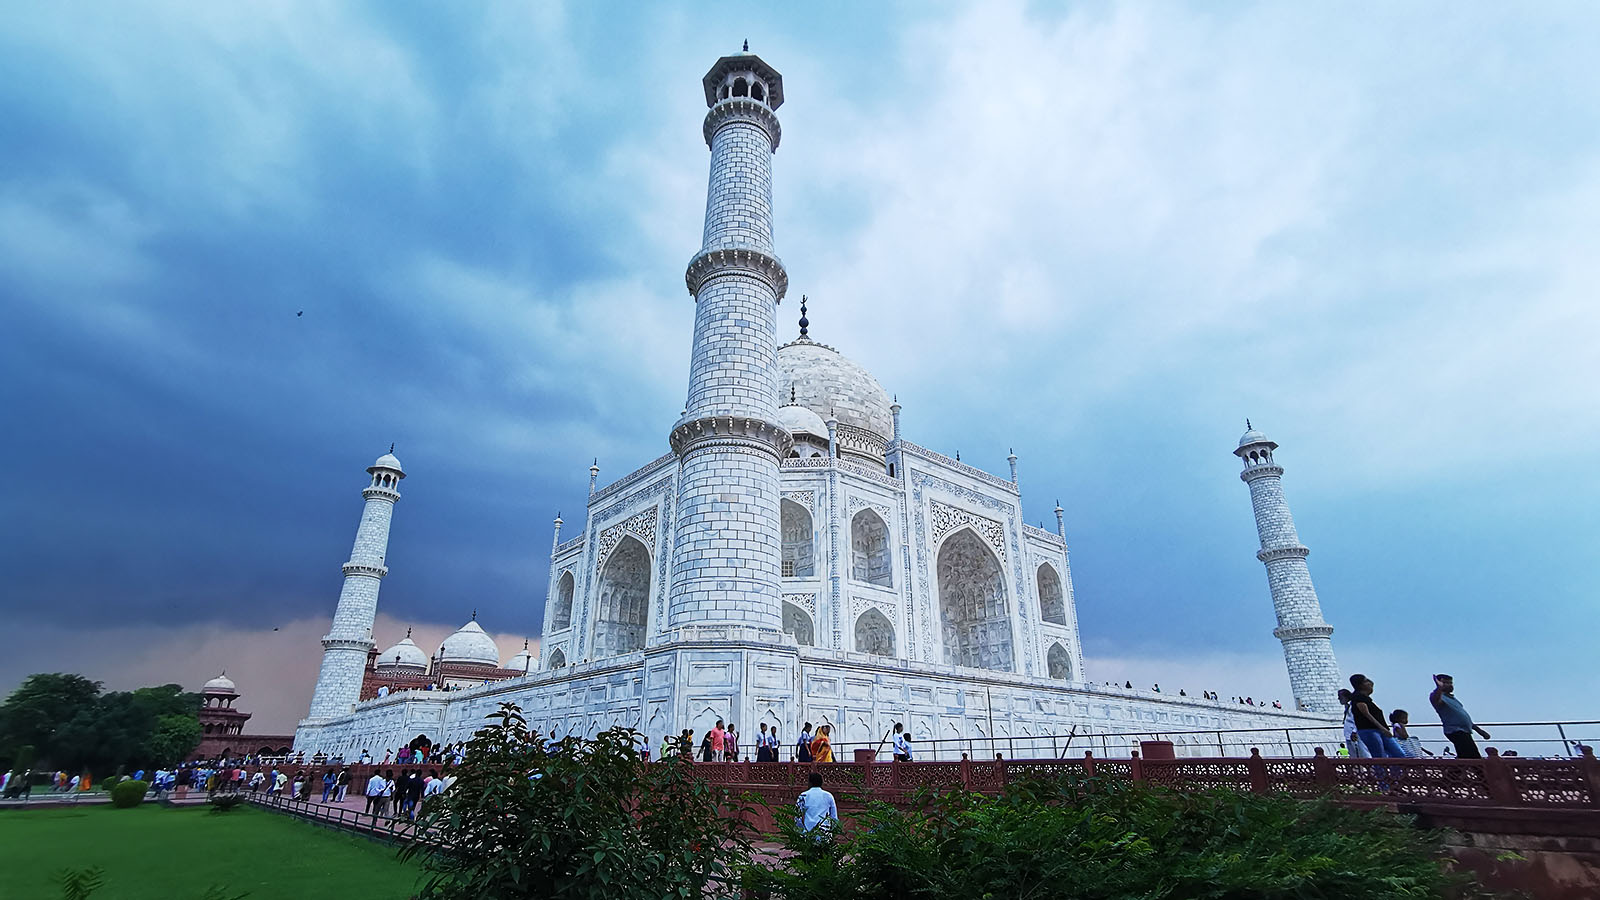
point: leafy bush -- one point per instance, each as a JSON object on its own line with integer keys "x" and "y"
{"x": 1088, "y": 838}
{"x": 221, "y": 803}
{"x": 129, "y": 793}
{"x": 110, "y": 782}
{"x": 580, "y": 818}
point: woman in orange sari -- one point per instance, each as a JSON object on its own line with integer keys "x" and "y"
{"x": 821, "y": 747}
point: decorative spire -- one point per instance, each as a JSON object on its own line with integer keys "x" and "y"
{"x": 391, "y": 446}
{"x": 747, "y": 45}
{"x": 1248, "y": 426}
{"x": 792, "y": 400}
{"x": 805, "y": 323}
{"x": 958, "y": 456}
{"x": 474, "y": 614}
{"x": 408, "y": 631}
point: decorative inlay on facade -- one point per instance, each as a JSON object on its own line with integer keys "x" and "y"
{"x": 860, "y": 603}
{"x": 563, "y": 549}
{"x": 807, "y": 602}
{"x": 1043, "y": 535}
{"x": 809, "y": 462}
{"x": 808, "y": 499}
{"x": 877, "y": 475}
{"x": 666, "y": 488}
{"x": 856, "y": 504}
{"x": 641, "y": 525}
{"x": 948, "y": 518}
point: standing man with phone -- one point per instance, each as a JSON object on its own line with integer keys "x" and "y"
{"x": 1458, "y": 727}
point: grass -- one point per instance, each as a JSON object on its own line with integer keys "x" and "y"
{"x": 156, "y": 853}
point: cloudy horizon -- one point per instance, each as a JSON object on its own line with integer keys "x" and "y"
{"x": 244, "y": 250}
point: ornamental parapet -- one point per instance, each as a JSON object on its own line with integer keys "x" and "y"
{"x": 1249, "y": 475}
{"x": 1042, "y": 534}
{"x": 563, "y": 549}
{"x": 381, "y": 493}
{"x": 742, "y": 109}
{"x": 329, "y": 642}
{"x": 731, "y": 431}
{"x": 648, "y": 469}
{"x": 710, "y": 264}
{"x": 1004, "y": 484}
{"x": 1302, "y": 632}
{"x": 860, "y": 440}
{"x": 1277, "y": 553}
{"x": 355, "y": 568}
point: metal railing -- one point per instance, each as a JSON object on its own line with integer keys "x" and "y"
{"x": 1542, "y": 739}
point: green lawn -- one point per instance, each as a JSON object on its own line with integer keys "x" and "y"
{"x": 176, "y": 854}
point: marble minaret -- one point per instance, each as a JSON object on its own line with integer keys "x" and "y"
{"x": 345, "y": 648}
{"x": 726, "y": 557}
{"x": 1307, "y": 639}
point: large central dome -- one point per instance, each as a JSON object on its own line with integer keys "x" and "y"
{"x": 821, "y": 379}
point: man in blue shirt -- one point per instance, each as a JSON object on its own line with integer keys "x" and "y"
{"x": 816, "y": 807}
{"x": 1458, "y": 727}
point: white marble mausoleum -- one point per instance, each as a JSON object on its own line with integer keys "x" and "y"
{"x": 794, "y": 557}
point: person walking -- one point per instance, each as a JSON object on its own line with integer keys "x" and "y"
{"x": 821, "y": 745}
{"x": 344, "y": 785}
{"x": 802, "y": 747}
{"x": 374, "y": 794}
{"x": 730, "y": 743}
{"x": 388, "y": 803}
{"x": 707, "y": 751}
{"x": 330, "y": 782}
{"x": 815, "y": 807}
{"x": 1370, "y": 725}
{"x": 719, "y": 738}
{"x": 1458, "y": 726}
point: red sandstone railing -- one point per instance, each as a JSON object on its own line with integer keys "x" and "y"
{"x": 1495, "y": 781}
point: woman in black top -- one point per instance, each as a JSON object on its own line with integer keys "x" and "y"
{"x": 705, "y": 748}
{"x": 1370, "y": 724}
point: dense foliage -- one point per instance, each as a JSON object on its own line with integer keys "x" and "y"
{"x": 1089, "y": 838}
{"x": 73, "y": 726}
{"x": 129, "y": 793}
{"x": 577, "y": 818}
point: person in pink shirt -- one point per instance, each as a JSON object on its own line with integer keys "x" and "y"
{"x": 717, "y": 735}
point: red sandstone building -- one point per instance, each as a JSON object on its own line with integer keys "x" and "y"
{"x": 222, "y": 726}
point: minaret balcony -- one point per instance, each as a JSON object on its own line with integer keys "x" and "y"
{"x": 711, "y": 263}
{"x": 355, "y": 568}
{"x": 1302, "y": 632}
{"x": 1277, "y": 553}
{"x": 742, "y": 109}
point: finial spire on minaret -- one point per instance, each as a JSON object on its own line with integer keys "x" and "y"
{"x": 1012, "y": 458}
{"x": 805, "y": 323}
{"x": 1061, "y": 525}
{"x": 747, "y": 45}
{"x": 594, "y": 474}
{"x": 408, "y": 631}
{"x": 1305, "y": 635}
{"x": 391, "y": 446}
{"x": 474, "y": 614}
{"x": 1248, "y": 426}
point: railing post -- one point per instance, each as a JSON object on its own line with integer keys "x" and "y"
{"x": 966, "y": 773}
{"x": 867, "y": 776}
{"x": 1221, "y": 751}
{"x": 1497, "y": 779}
{"x": 1289, "y": 738}
{"x": 1088, "y": 762}
{"x": 1323, "y": 769}
{"x": 1136, "y": 766}
{"x": 1258, "y": 772}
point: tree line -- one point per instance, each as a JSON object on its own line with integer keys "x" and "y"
{"x": 63, "y": 721}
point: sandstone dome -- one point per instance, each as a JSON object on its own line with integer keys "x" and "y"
{"x": 470, "y": 646}
{"x": 404, "y": 655}
{"x": 824, "y": 381}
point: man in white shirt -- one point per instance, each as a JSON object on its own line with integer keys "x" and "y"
{"x": 816, "y": 807}
{"x": 388, "y": 793}
{"x": 375, "y": 793}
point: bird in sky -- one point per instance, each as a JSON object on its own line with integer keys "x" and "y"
{"x": 299, "y": 314}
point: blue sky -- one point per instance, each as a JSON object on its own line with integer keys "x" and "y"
{"x": 1102, "y": 234}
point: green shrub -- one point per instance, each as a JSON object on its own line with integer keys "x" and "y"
{"x": 111, "y": 782}
{"x": 581, "y": 819}
{"x": 129, "y": 793}
{"x": 1091, "y": 838}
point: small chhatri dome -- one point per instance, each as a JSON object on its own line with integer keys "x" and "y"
{"x": 523, "y": 661}
{"x": 470, "y": 646}
{"x": 221, "y": 684}
{"x": 388, "y": 461}
{"x": 405, "y": 655}
{"x": 798, "y": 420}
{"x": 1252, "y": 436}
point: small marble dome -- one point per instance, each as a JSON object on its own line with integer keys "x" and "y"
{"x": 404, "y": 656}
{"x": 221, "y": 684}
{"x": 1255, "y": 437}
{"x": 798, "y": 420}
{"x": 470, "y": 646}
{"x": 388, "y": 461}
{"x": 523, "y": 661}
{"x": 825, "y": 382}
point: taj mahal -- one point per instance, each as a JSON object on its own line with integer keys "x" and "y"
{"x": 793, "y": 557}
